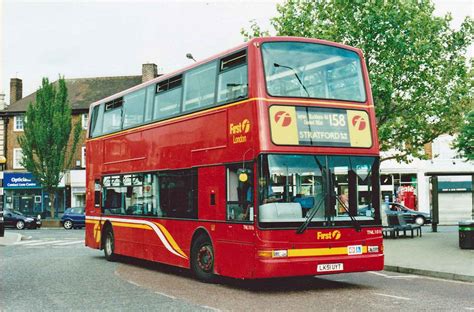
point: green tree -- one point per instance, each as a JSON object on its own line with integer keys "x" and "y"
{"x": 417, "y": 64}
{"x": 46, "y": 135}
{"x": 464, "y": 142}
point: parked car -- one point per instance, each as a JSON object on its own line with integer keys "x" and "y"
{"x": 16, "y": 219}
{"x": 366, "y": 211}
{"x": 73, "y": 218}
{"x": 409, "y": 215}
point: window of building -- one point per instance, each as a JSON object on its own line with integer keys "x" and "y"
{"x": 386, "y": 179}
{"x": 84, "y": 119}
{"x": 83, "y": 157}
{"x": 199, "y": 87}
{"x": 232, "y": 80}
{"x": 17, "y": 157}
{"x": 133, "y": 108}
{"x": 239, "y": 193}
{"x": 18, "y": 122}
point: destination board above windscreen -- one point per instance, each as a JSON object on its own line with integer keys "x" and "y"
{"x": 316, "y": 126}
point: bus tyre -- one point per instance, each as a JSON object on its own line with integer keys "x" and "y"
{"x": 202, "y": 259}
{"x": 109, "y": 245}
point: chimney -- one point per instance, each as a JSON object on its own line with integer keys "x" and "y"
{"x": 16, "y": 90}
{"x": 149, "y": 72}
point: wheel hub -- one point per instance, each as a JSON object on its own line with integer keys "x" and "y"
{"x": 205, "y": 258}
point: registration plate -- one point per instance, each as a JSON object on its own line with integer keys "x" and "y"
{"x": 330, "y": 267}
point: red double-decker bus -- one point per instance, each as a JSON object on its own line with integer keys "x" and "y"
{"x": 259, "y": 162}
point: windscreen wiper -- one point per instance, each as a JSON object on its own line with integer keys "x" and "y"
{"x": 354, "y": 221}
{"x": 309, "y": 217}
{"x": 296, "y": 75}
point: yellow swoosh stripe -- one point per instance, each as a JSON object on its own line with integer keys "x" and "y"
{"x": 171, "y": 240}
{"x": 162, "y": 233}
{"x": 134, "y": 226}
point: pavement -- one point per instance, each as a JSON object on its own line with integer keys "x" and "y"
{"x": 434, "y": 254}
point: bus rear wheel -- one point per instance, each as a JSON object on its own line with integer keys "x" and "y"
{"x": 109, "y": 245}
{"x": 202, "y": 259}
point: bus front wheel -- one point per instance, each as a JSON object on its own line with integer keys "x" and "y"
{"x": 202, "y": 259}
{"x": 109, "y": 245}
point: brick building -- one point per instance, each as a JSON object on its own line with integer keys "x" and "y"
{"x": 20, "y": 190}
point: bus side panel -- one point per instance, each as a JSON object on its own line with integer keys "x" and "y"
{"x": 212, "y": 194}
{"x": 94, "y": 158}
{"x": 159, "y": 240}
{"x": 124, "y": 153}
{"x": 235, "y": 251}
{"x": 130, "y": 239}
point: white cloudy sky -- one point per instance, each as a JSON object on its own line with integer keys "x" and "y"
{"x": 113, "y": 38}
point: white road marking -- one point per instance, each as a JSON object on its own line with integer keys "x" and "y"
{"x": 163, "y": 294}
{"x": 23, "y": 242}
{"x": 133, "y": 283}
{"x": 469, "y": 309}
{"x": 391, "y": 296}
{"x": 44, "y": 243}
{"x": 393, "y": 276}
{"x": 211, "y": 308}
{"x": 69, "y": 243}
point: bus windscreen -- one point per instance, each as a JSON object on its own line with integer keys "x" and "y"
{"x": 309, "y": 70}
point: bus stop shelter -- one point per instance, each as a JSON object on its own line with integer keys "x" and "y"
{"x": 435, "y": 194}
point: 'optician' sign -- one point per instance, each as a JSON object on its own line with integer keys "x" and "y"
{"x": 19, "y": 180}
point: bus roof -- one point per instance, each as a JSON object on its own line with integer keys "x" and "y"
{"x": 258, "y": 40}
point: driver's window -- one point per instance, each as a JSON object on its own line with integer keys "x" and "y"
{"x": 240, "y": 192}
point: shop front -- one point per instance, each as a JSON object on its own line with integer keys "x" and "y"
{"x": 77, "y": 186}
{"x": 23, "y": 193}
{"x": 401, "y": 188}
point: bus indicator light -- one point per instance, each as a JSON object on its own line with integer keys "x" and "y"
{"x": 280, "y": 253}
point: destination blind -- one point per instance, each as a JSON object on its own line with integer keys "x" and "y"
{"x": 317, "y": 126}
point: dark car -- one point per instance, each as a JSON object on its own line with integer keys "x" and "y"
{"x": 409, "y": 215}
{"x": 73, "y": 218}
{"x": 16, "y": 219}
